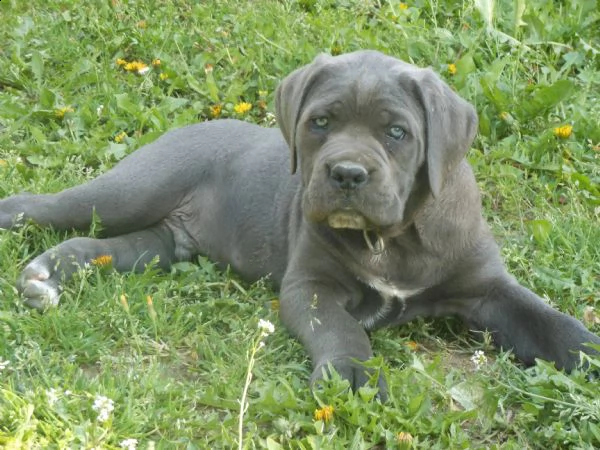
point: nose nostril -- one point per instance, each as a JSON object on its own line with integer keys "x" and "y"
{"x": 338, "y": 177}
{"x": 348, "y": 175}
{"x": 360, "y": 177}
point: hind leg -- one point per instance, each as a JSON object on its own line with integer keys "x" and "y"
{"x": 41, "y": 281}
{"x": 138, "y": 192}
{"x": 122, "y": 199}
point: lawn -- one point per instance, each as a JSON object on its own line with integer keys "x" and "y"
{"x": 160, "y": 360}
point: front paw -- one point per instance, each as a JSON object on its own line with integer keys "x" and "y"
{"x": 39, "y": 285}
{"x": 352, "y": 370}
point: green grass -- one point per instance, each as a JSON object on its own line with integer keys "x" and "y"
{"x": 175, "y": 371}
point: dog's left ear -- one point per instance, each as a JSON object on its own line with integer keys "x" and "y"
{"x": 289, "y": 100}
{"x": 451, "y": 126}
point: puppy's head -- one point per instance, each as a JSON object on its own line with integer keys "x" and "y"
{"x": 370, "y": 134}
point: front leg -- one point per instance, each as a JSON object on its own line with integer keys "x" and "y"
{"x": 42, "y": 279}
{"x": 522, "y": 322}
{"x": 313, "y": 308}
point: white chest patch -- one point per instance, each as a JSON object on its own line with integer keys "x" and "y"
{"x": 389, "y": 290}
{"x": 391, "y": 295}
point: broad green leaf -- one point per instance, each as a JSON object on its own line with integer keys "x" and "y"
{"x": 194, "y": 84}
{"x": 213, "y": 90}
{"x": 357, "y": 441}
{"x": 44, "y": 161}
{"x": 540, "y": 229}
{"x": 171, "y": 104}
{"x": 499, "y": 98}
{"x": 272, "y": 445}
{"x": 544, "y": 98}
{"x": 37, "y": 134}
{"x": 124, "y": 103}
{"x": 467, "y": 394}
{"x": 117, "y": 151}
{"x": 37, "y": 66}
{"x": 464, "y": 67}
{"x": 47, "y": 98}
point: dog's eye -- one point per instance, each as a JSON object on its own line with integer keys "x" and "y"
{"x": 321, "y": 122}
{"x": 396, "y": 132}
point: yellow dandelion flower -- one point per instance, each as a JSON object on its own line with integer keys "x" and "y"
{"x": 156, "y": 62}
{"x": 136, "y": 66}
{"x": 142, "y": 24}
{"x": 163, "y": 76}
{"x": 412, "y": 345}
{"x": 120, "y": 137}
{"x": 60, "y": 113}
{"x": 215, "y": 110}
{"x": 102, "y": 260}
{"x": 403, "y": 6}
{"x": 504, "y": 115}
{"x": 452, "y": 69}
{"x": 563, "y": 132}
{"x": 404, "y": 439}
{"x": 325, "y": 413}
{"x": 242, "y": 108}
{"x": 121, "y": 62}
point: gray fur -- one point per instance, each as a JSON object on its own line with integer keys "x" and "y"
{"x": 224, "y": 189}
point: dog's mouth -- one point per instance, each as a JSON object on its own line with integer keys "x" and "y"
{"x": 351, "y": 220}
{"x": 347, "y": 219}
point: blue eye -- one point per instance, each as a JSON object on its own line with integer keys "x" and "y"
{"x": 396, "y": 132}
{"x": 321, "y": 122}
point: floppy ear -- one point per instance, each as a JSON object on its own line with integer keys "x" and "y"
{"x": 289, "y": 100}
{"x": 451, "y": 124}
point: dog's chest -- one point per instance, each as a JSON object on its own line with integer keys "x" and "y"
{"x": 391, "y": 283}
{"x": 387, "y": 289}
{"x": 391, "y": 304}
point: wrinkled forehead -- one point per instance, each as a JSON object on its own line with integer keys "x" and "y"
{"x": 362, "y": 86}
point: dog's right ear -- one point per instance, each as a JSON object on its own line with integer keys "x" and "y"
{"x": 289, "y": 101}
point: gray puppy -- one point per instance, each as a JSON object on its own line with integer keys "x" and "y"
{"x": 381, "y": 224}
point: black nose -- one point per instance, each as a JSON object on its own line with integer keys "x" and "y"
{"x": 348, "y": 175}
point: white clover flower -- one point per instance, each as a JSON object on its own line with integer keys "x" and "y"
{"x": 478, "y": 359}
{"x": 129, "y": 444}
{"x": 3, "y": 363}
{"x": 265, "y": 327}
{"x": 103, "y": 406}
